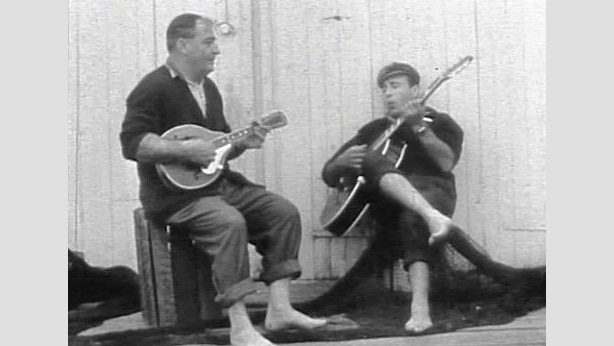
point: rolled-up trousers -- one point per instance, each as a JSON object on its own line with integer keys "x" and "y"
{"x": 223, "y": 225}
{"x": 403, "y": 226}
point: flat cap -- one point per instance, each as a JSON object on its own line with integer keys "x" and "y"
{"x": 398, "y": 68}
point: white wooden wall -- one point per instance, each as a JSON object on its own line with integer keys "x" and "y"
{"x": 316, "y": 60}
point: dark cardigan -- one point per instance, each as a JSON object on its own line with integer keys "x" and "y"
{"x": 158, "y": 103}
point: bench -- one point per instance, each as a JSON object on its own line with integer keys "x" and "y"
{"x": 175, "y": 278}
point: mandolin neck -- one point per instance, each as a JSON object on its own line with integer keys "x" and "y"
{"x": 233, "y": 137}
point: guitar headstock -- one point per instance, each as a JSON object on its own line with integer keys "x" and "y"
{"x": 274, "y": 119}
{"x": 452, "y": 71}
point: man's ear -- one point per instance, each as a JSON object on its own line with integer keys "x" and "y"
{"x": 181, "y": 45}
{"x": 415, "y": 90}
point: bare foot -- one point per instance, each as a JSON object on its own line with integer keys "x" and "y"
{"x": 418, "y": 323}
{"x": 248, "y": 337}
{"x": 440, "y": 226}
{"x": 290, "y": 318}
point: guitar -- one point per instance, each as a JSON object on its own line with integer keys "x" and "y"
{"x": 347, "y": 204}
{"x": 190, "y": 176}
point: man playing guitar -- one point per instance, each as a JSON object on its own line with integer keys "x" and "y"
{"x": 414, "y": 198}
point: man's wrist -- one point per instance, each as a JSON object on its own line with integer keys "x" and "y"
{"x": 420, "y": 130}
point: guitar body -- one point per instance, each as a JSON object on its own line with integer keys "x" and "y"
{"x": 348, "y": 203}
{"x": 192, "y": 177}
{"x": 344, "y": 207}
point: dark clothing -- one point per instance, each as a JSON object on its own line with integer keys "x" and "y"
{"x": 437, "y": 186}
{"x": 158, "y": 103}
{"x": 222, "y": 225}
{"x": 223, "y": 217}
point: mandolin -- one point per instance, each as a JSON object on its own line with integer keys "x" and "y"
{"x": 184, "y": 176}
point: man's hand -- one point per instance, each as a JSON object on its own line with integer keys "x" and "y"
{"x": 198, "y": 151}
{"x": 413, "y": 112}
{"x": 352, "y": 158}
{"x": 255, "y": 140}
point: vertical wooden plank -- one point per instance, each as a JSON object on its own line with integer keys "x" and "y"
{"x": 319, "y": 114}
{"x": 535, "y": 67}
{"x": 325, "y": 36}
{"x": 269, "y": 67}
{"x": 338, "y": 257}
{"x": 258, "y": 76}
{"x": 124, "y": 239}
{"x": 462, "y": 100}
{"x": 162, "y": 273}
{"x": 73, "y": 123}
{"x": 322, "y": 258}
{"x": 234, "y": 74}
{"x": 355, "y": 67}
{"x": 93, "y": 155}
{"x": 289, "y": 162}
{"x": 490, "y": 23}
{"x": 122, "y": 61}
{"x": 145, "y": 269}
{"x": 530, "y": 168}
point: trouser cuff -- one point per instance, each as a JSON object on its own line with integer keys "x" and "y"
{"x": 290, "y": 268}
{"x": 413, "y": 256}
{"x": 235, "y": 293}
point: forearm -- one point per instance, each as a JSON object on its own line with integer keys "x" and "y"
{"x": 155, "y": 149}
{"x": 438, "y": 150}
{"x": 332, "y": 171}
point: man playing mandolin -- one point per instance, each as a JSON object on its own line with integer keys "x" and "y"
{"x": 222, "y": 217}
{"x": 412, "y": 195}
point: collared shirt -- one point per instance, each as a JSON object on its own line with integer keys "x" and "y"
{"x": 197, "y": 89}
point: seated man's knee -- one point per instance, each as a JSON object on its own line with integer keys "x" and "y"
{"x": 232, "y": 220}
{"x": 375, "y": 165}
{"x": 289, "y": 209}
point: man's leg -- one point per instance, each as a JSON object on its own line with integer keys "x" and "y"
{"x": 420, "y": 319}
{"x": 275, "y": 230}
{"x": 398, "y": 188}
{"x": 219, "y": 230}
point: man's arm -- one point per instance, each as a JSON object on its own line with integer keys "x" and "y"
{"x": 347, "y": 158}
{"x": 437, "y": 149}
{"x": 140, "y": 137}
{"x": 155, "y": 149}
{"x": 442, "y": 140}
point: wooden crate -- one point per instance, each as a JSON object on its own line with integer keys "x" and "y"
{"x": 175, "y": 278}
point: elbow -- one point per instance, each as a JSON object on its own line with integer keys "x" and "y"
{"x": 447, "y": 164}
{"x": 328, "y": 175}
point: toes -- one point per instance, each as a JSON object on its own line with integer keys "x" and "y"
{"x": 309, "y": 324}
{"x": 418, "y": 327}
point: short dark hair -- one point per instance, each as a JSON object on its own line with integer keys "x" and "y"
{"x": 183, "y": 26}
{"x": 395, "y": 69}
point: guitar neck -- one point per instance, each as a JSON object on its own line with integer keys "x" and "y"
{"x": 392, "y": 128}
